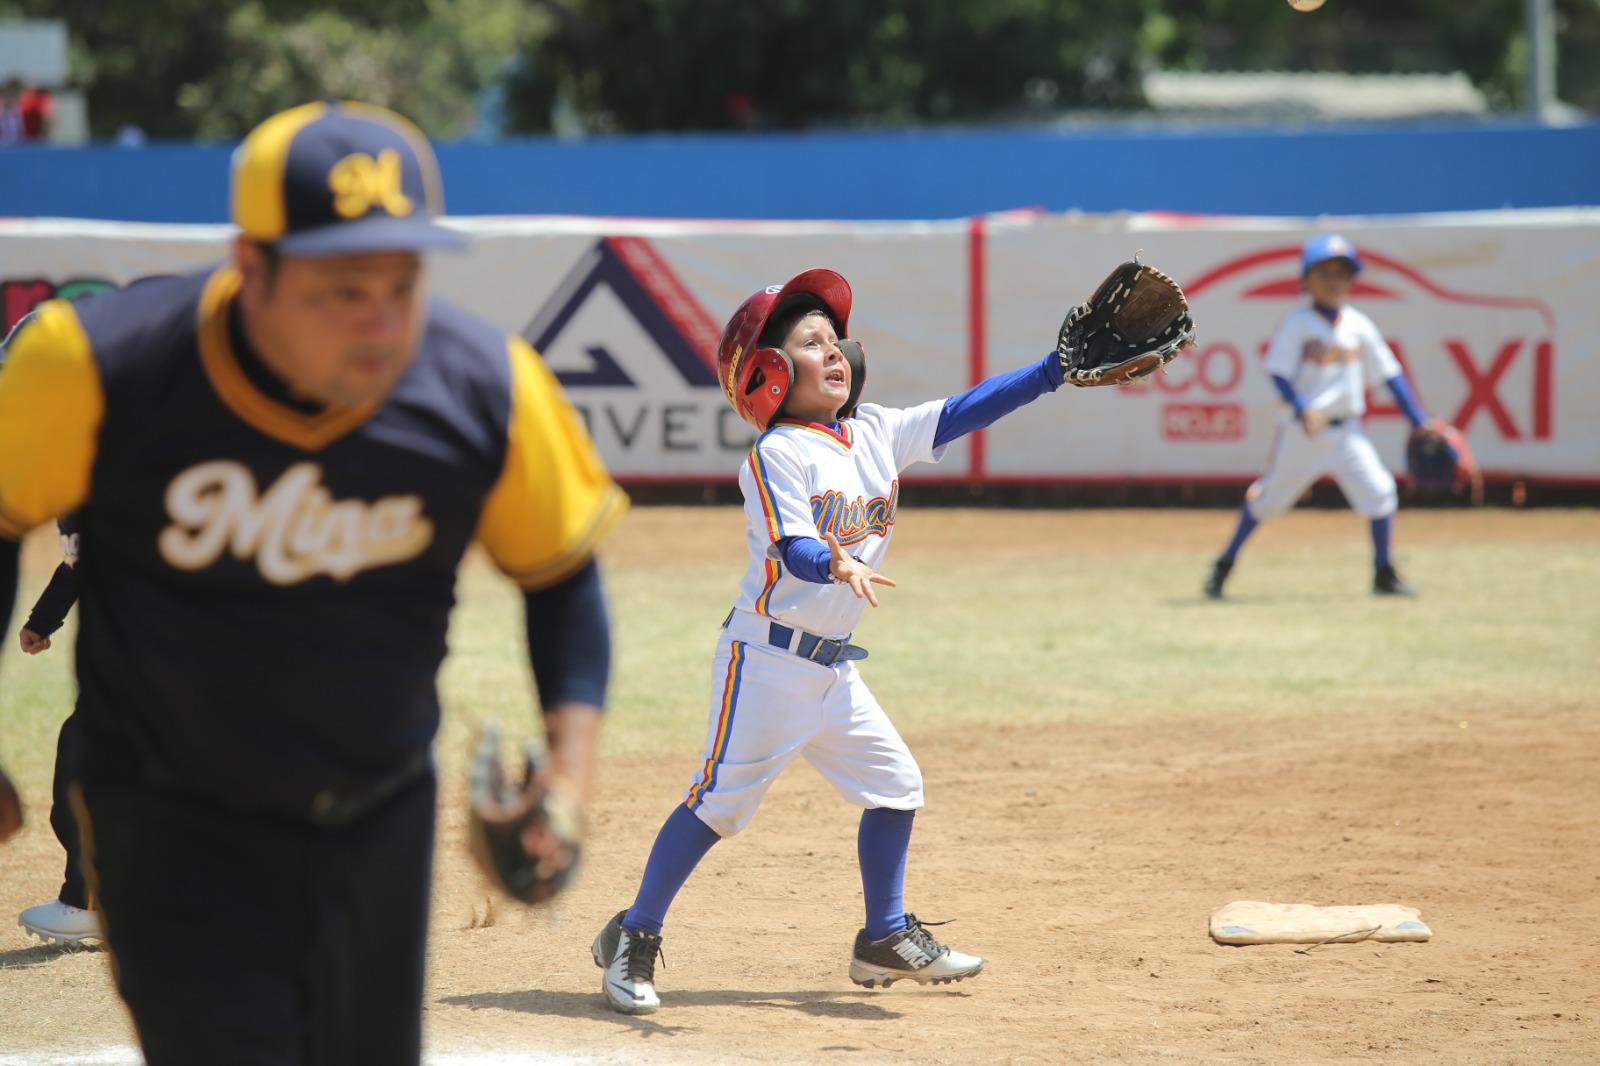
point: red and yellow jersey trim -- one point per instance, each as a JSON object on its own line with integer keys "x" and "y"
{"x": 764, "y": 601}
{"x": 842, "y": 436}
{"x": 769, "y": 507}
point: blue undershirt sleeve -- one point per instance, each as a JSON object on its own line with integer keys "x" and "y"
{"x": 992, "y": 399}
{"x": 569, "y": 640}
{"x": 1290, "y": 397}
{"x": 807, "y": 558}
{"x": 1407, "y": 399}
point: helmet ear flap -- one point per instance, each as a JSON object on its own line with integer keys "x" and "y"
{"x": 764, "y": 385}
{"x": 855, "y": 355}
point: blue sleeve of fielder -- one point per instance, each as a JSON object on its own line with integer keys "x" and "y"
{"x": 807, "y": 558}
{"x": 994, "y": 398}
{"x": 569, "y": 640}
{"x": 1290, "y": 397}
{"x": 1407, "y": 399}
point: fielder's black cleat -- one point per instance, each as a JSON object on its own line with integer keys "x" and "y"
{"x": 1219, "y": 573}
{"x": 1385, "y": 582}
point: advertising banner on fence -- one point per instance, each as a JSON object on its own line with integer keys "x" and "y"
{"x": 1490, "y": 313}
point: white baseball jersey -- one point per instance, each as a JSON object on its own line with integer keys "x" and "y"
{"x": 803, "y": 479}
{"x": 1325, "y": 360}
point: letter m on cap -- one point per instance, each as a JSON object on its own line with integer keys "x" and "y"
{"x": 360, "y": 183}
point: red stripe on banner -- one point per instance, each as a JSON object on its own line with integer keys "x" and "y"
{"x": 669, "y": 294}
{"x": 976, "y": 356}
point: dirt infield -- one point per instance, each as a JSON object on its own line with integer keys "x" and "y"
{"x": 1082, "y": 857}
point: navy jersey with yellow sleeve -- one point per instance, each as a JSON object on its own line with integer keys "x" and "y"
{"x": 265, "y": 589}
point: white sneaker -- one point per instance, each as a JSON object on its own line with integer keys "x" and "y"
{"x": 61, "y": 923}
{"x": 910, "y": 953}
{"x": 628, "y": 957}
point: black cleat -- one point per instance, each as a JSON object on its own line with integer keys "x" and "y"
{"x": 1385, "y": 582}
{"x": 1219, "y": 573}
{"x": 910, "y": 954}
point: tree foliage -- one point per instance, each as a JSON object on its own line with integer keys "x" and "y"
{"x": 193, "y": 68}
{"x": 632, "y": 65}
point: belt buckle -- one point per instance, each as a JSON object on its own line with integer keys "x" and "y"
{"x": 838, "y": 650}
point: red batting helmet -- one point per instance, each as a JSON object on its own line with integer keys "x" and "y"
{"x": 757, "y": 379}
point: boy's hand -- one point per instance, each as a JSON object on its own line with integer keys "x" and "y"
{"x": 1312, "y": 421}
{"x": 848, "y": 570}
{"x": 33, "y": 643}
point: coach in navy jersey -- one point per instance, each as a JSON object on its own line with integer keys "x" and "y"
{"x": 280, "y": 463}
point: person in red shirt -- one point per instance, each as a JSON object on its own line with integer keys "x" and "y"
{"x": 37, "y": 108}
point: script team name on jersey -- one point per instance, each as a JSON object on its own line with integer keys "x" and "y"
{"x": 294, "y": 531}
{"x": 1314, "y": 351}
{"x": 855, "y": 521}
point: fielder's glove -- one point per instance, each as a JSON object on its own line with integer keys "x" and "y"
{"x": 1136, "y": 321}
{"x": 525, "y": 837}
{"x": 1440, "y": 463}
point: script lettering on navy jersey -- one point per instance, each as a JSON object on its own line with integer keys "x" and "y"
{"x": 294, "y": 531}
{"x": 853, "y": 522}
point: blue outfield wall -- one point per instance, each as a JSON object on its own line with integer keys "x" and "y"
{"x": 910, "y": 174}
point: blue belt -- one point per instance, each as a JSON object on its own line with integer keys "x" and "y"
{"x": 817, "y": 649}
{"x": 820, "y": 650}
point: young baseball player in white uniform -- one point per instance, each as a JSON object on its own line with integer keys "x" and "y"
{"x": 1321, "y": 359}
{"x": 821, "y": 488}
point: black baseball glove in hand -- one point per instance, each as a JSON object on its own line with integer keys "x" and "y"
{"x": 1136, "y": 321}
{"x": 526, "y": 837}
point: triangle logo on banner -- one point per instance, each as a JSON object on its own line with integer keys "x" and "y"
{"x": 645, "y": 286}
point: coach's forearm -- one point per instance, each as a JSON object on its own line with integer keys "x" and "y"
{"x": 572, "y": 734}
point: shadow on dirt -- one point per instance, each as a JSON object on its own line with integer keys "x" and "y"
{"x": 850, "y": 1005}
{"x": 39, "y": 954}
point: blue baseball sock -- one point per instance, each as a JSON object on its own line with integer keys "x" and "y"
{"x": 1241, "y": 532}
{"x": 683, "y": 841}
{"x": 881, "y": 847}
{"x": 1381, "y": 528}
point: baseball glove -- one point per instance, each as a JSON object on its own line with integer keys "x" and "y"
{"x": 1136, "y": 321}
{"x": 1440, "y": 462}
{"x": 526, "y": 838}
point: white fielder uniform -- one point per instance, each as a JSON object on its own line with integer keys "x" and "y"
{"x": 1329, "y": 364}
{"x": 769, "y": 705}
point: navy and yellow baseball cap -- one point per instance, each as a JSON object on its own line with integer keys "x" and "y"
{"x": 339, "y": 179}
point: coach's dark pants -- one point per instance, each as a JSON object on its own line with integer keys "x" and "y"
{"x": 251, "y": 940}
{"x": 69, "y": 749}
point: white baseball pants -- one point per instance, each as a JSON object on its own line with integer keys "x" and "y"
{"x": 768, "y": 706}
{"x": 1296, "y": 460}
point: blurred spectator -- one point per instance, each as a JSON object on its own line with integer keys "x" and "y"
{"x": 25, "y": 112}
{"x": 38, "y": 108}
{"x": 10, "y": 113}
{"x": 130, "y": 136}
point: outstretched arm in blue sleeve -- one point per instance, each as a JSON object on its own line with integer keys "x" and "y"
{"x": 996, "y": 397}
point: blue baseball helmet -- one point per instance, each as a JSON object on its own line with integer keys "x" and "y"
{"x": 1326, "y": 247}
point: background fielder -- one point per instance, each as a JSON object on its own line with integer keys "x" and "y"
{"x": 1321, "y": 360}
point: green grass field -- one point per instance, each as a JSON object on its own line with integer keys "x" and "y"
{"x": 1049, "y": 615}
